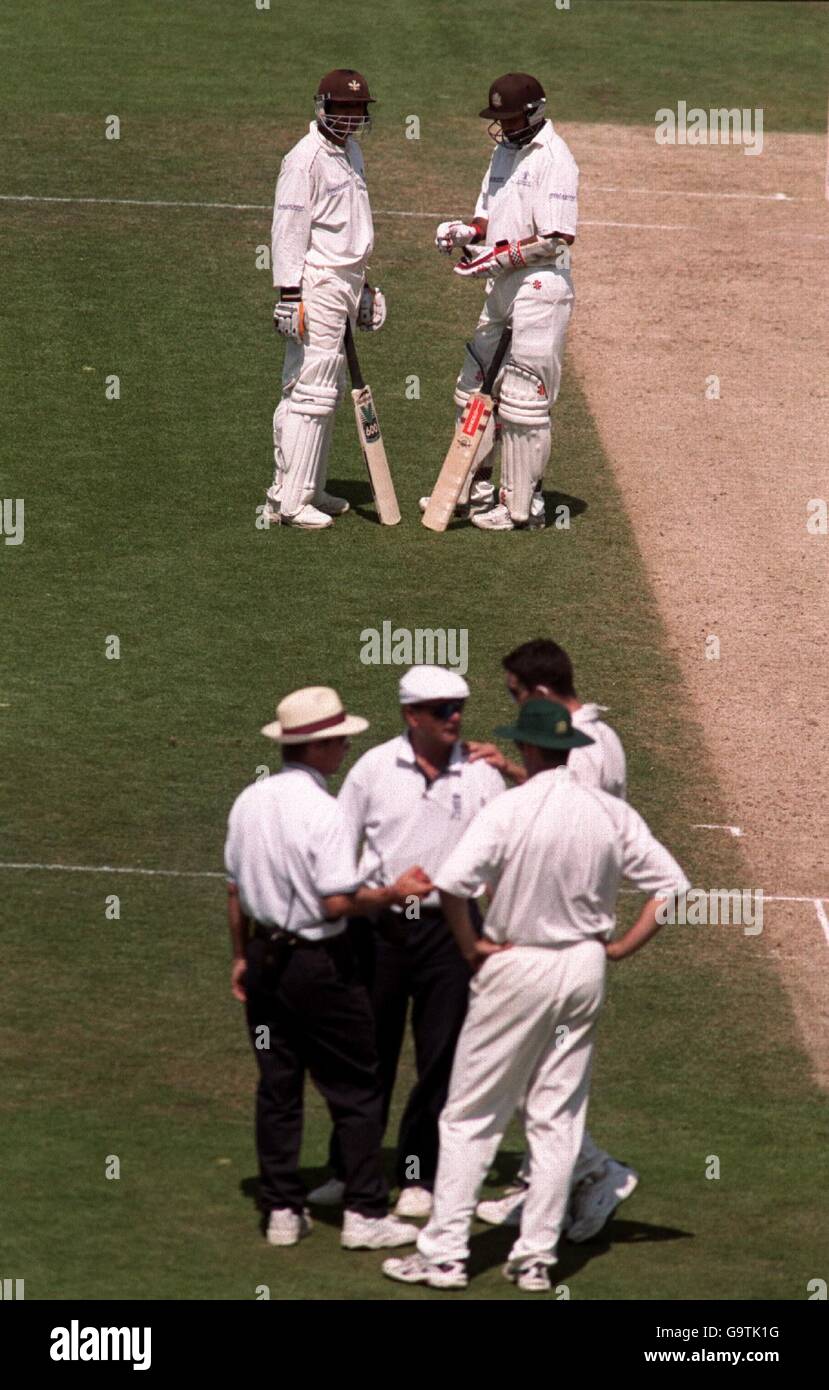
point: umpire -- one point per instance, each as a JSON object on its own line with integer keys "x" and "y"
{"x": 292, "y": 878}
{"x": 411, "y": 799}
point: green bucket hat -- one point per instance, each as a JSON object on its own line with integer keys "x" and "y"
{"x": 546, "y": 724}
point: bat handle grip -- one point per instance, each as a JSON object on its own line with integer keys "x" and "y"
{"x": 351, "y": 357}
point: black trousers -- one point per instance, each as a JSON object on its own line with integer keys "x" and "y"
{"x": 417, "y": 962}
{"x": 318, "y": 1018}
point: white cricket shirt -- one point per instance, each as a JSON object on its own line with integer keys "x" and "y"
{"x": 530, "y": 189}
{"x": 401, "y": 819}
{"x": 321, "y": 209}
{"x": 602, "y": 764}
{"x": 288, "y": 847}
{"x": 556, "y": 852}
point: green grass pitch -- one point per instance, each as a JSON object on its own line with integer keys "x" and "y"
{"x": 119, "y": 1037}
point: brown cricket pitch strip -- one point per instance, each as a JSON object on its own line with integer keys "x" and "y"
{"x": 717, "y": 489}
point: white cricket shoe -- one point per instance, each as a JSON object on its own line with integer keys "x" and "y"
{"x": 532, "y": 1277}
{"x": 474, "y": 507}
{"x": 595, "y": 1199}
{"x": 308, "y": 518}
{"x": 499, "y": 519}
{"x": 414, "y": 1201}
{"x": 328, "y": 1194}
{"x": 503, "y": 1211}
{"x": 416, "y": 1269}
{"x": 332, "y": 506}
{"x": 375, "y": 1232}
{"x": 286, "y": 1227}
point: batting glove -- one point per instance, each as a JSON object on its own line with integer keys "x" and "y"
{"x": 451, "y": 234}
{"x": 371, "y": 312}
{"x": 289, "y": 318}
{"x": 493, "y": 261}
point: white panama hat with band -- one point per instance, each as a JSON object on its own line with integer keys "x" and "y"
{"x": 310, "y": 714}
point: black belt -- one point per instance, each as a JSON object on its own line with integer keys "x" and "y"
{"x": 278, "y": 936}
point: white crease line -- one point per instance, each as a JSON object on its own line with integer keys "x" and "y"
{"x": 266, "y": 207}
{"x": 822, "y": 918}
{"x": 384, "y": 212}
{"x": 136, "y": 202}
{"x": 111, "y": 869}
{"x": 686, "y": 193}
{"x": 767, "y": 897}
{"x": 212, "y": 873}
{"x": 732, "y": 829}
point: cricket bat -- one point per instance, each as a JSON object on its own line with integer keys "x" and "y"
{"x": 371, "y": 440}
{"x": 460, "y": 460}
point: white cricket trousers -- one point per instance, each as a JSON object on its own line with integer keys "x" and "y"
{"x": 313, "y": 384}
{"x": 529, "y": 1031}
{"x": 537, "y": 302}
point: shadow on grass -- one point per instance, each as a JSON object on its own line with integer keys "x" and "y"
{"x": 489, "y": 1246}
{"x": 358, "y": 495}
{"x": 361, "y": 500}
{"x": 552, "y": 500}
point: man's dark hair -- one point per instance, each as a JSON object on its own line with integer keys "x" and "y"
{"x": 553, "y": 757}
{"x": 542, "y": 662}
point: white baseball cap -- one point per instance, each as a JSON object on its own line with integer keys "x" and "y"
{"x": 310, "y": 714}
{"x": 431, "y": 683}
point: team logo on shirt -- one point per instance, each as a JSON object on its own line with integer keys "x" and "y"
{"x": 536, "y": 284}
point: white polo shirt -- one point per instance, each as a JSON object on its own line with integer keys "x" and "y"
{"x": 530, "y": 189}
{"x": 401, "y": 819}
{"x": 602, "y": 764}
{"x": 321, "y": 209}
{"x": 556, "y": 853}
{"x": 287, "y": 848}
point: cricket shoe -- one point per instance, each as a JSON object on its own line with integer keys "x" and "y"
{"x": 331, "y": 506}
{"x": 596, "y": 1198}
{"x": 375, "y": 1232}
{"x": 328, "y": 1194}
{"x": 308, "y": 518}
{"x": 463, "y": 511}
{"x": 499, "y": 519}
{"x": 481, "y": 498}
{"x": 416, "y": 1269}
{"x": 414, "y": 1201}
{"x": 286, "y": 1227}
{"x": 532, "y": 1277}
{"x": 503, "y": 1211}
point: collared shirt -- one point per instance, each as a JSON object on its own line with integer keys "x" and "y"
{"x": 530, "y": 189}
{"x": 556, "y": 852}
{"x": 603, "y": 763}
{"x": 401, "y": 818}
{"x": 321, "y": 209}
{"x": 287, "y": 848}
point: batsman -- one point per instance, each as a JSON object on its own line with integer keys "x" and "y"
{"x": 517, "y": 241}
{"x": 322, "y": 237}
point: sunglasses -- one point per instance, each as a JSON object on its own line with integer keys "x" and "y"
{"x": 443, "y": 709}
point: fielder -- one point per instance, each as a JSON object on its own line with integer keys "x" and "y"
{"x": 542, "y": 669}
{"x": 321, "y": 238}
{"x": 526, "y": 214}
{"x": 556, "y": 852}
